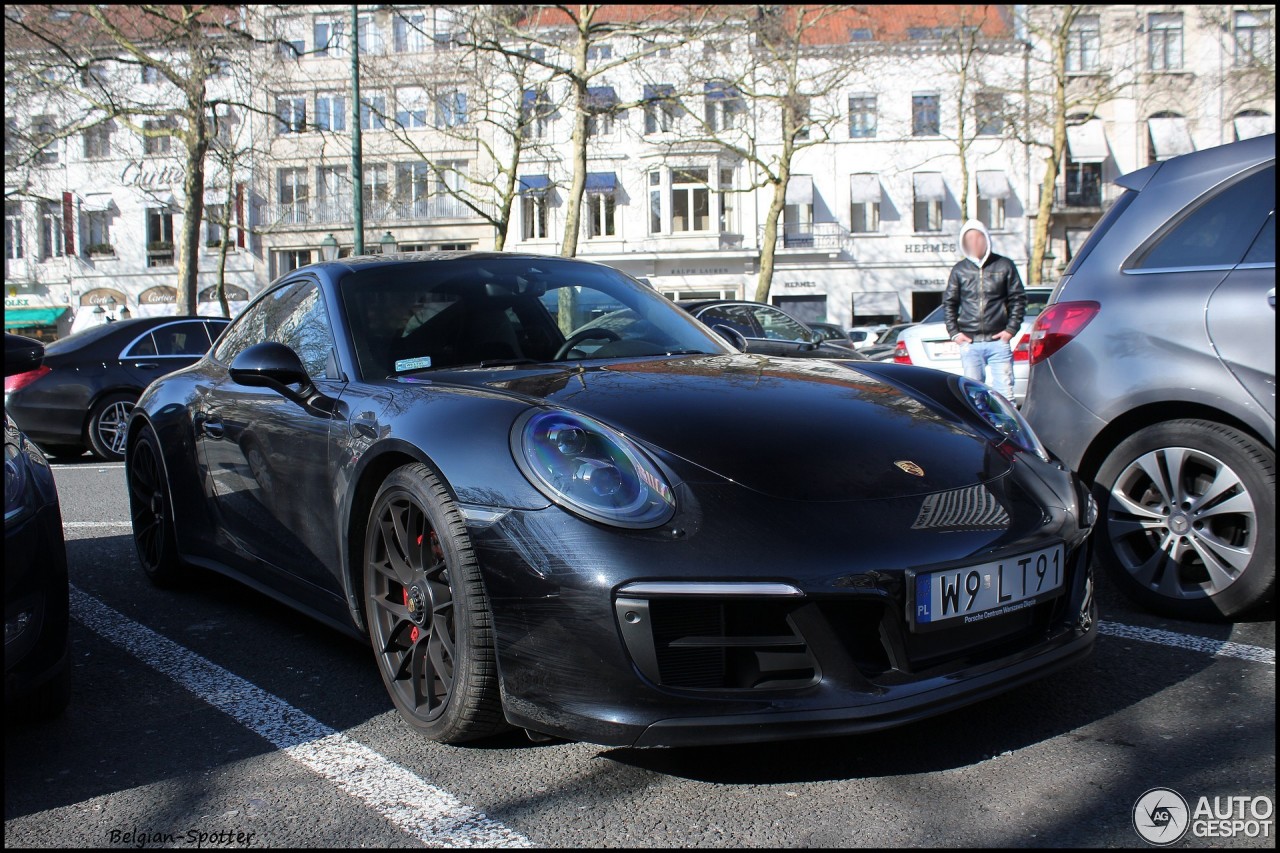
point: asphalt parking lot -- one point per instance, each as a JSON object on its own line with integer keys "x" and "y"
{"x": 213, "y": 716}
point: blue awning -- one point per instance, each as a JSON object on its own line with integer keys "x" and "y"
{"x": 530, "y": 97}
{"x": 602, "y": 182}
{"x": 534, "y": 183}
{"x": 717, "y": 91}
{"x": 659, "y": 92}
{"x": 601, "y": 97}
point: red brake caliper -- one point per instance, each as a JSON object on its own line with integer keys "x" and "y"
{"x": 413, "y": 632}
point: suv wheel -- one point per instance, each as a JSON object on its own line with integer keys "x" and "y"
{"x": 1185, "y": 526}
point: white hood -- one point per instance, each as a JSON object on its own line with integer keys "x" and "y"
{"x": 975, "y": 225}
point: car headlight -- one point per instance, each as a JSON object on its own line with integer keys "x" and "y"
{"x": 1002, "y": 416}
{"x": 590, "y": 469}
{"x": 16, "y": 498}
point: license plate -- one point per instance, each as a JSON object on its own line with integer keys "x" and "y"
{"x": 942, "y": 349}
{"x": 973, "y": 594}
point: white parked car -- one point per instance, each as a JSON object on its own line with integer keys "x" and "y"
{"x": 928, "y": 344}
{"x": 866, "y": 336}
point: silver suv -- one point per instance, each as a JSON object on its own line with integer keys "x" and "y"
{"x": 1153, "y": 374}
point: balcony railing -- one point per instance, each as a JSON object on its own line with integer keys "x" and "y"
{"x": 819, "y": 236}
{"x": 375, "y": 211}
{"x": 1085, "y": 197}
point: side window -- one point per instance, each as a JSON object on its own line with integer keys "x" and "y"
{"x": 1219, "y": 231}
{"x": 146, "y": 346}
{"x": 292, "y": 314}
{"x": 779, "y": 327}
{"x": 1263, "y": 250}
{"x": 736, "y": 317}
{"x": 189, "y": 339}
{"x": 214, "y": 329}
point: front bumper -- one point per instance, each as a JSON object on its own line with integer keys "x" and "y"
{"x": 833, "y": 656}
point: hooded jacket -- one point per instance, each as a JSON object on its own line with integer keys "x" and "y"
{"x": 984, "y": 296}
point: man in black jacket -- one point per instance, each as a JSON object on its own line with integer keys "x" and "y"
{"x": 983, "y": 306}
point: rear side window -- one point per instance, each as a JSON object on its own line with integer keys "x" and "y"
{"x": 1263, "y": 250}
{"x": 1219, "y": 231}
{"x": 189, "y": 339}
{"x": 145, "y": 346}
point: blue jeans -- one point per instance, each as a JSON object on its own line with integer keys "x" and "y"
{"x": 996, "y": 355}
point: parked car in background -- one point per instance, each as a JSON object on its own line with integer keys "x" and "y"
{"x": 863, "y": 337}
{"x": 1153, "y": 374}
{"x": 765, "y": 329}
{"x": 830, "y": 333}
{"x": 37, "y": 641}
{"x": 883, "y": 348}
{"x": 751, "y": 548}
{"x": 80, "y": 397}
{"x": 929, "y": 345}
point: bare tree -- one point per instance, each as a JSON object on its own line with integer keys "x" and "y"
{"x": 72, "y": 52}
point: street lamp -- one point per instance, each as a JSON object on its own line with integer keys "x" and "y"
{"x": 125, "y": 313}
{"x": 388, "y": 243}
{"x": 329, "y": 248}
{"x": 1046, "y": 265}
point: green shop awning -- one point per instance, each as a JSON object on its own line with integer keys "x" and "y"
{"x": 26, "y": 318}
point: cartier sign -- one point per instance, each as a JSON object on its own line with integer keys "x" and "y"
{"x": 136, "y": 174}
{"x": 102, "y": 296}
{"x": 160, "y": 295}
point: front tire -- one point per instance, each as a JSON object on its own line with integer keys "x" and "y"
{"x": 151, "y": 510}
{"x": 108, "y": 426}
{"x": 1186, "y": 521}
{"x": 428, "y": 615}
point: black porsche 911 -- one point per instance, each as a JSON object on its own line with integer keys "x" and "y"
{"x": 552, "y": 499}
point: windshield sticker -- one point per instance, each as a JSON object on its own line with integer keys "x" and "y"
{"x": 412, "y": 364}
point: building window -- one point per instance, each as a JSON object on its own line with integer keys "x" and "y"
{"x": 535, "y": 214}
{"x": 159, "y": 237}
{"x": 690, "y": 200}
{"x": 219, "y": 66}
{"x": 375, "y": 185}
{"x": 150, "y": 74}
{"x": 724, "y": 106}
{"x": 1084, "y": 43}
{"x": 655, "y": 201}
{"x": 411, "y": 107}
{"x": 289, "y": 260}
{"x": 213, "y": 217}
{"x": 292, "y": 192}
{"x": 156, "y": 139}
{"x": 1253, "y": 38}
{"x": 862, "y": 116}
{"x": 536, "y": 113}
{"x": 329, "y": 38}
{"x": 373, "y": 112}
{"x": 291, "y": 48}
{"x": 601, "y": 105}
{"x": 97, "y": 141}
{"x": 332, "y": 191}
{"x": 600, "y": 215}
{"x": 1164, "y": 41}
{"x": 45, "y": 133}
{"x": 291, "y": 114}
{"x": 599, "y": 51}
{"x": 50, "y": 230}
{"x": 331, "y": 111}
{"x": 1083, "y": 184}
{"x": 991, "y": 213}
{"x": 98, "y": 226}
{"x": 450, "y": 186}
{"x": 451, "y": 109}
{"x": 728, "y": 222}
{"x": 660, "y": 108}
{"x": 989, "y": 107}
{"x": 409, "y": 32}
{"x": 864, "y": 203}
{"x": 413, "y": 182}
{"x": 14, "y": 246}
{"x": 929, "y": 194}
{"x": 370, "y": 39}
{"x": 925, "y": 118}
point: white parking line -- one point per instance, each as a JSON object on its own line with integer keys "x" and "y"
{"x": 72, "y": 525}
{"x": 1191, "y": 642}
{"x": 105, "y": 466}
{"x": 430, "y": 814}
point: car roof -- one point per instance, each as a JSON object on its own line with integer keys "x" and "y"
{"x": 119, "y": 329}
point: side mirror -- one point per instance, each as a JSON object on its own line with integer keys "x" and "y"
{"x": 274, "y": 365}
{"x": 21, "y": 354}
{"x": 731, "y": 335}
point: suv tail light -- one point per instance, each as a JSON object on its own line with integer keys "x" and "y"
{"x": 1022, "y": 352}
{"x": 21, "y": 380}
{"x": 1057, "y": 325}
{"x": 900, "y": 354}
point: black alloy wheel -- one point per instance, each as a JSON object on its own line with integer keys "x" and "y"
{"x": 428, "y": 616}
{"x": 151, "y": 511}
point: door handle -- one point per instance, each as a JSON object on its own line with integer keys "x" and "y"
{"x": 146, "y": 365}
{"x": 213, "y": 426}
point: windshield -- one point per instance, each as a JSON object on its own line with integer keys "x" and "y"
{"x": 492, "y": 312}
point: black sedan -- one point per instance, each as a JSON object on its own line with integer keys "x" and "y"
{"x": 37, "y": 644}
{"x": 761, "y": 329}
{"x": 551, "y": 499}
{"x": 81, "y": 395}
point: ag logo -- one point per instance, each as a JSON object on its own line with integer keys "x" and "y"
{"x": 1160, "y": 816}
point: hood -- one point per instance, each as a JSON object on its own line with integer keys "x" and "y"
{"x": 975, "y": 225}
{"x": 789, "y": 428}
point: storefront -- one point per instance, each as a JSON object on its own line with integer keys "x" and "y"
{"x": 41, "y": 322}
